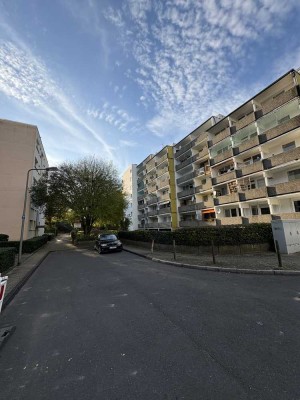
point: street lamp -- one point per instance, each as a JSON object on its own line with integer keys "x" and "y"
{"x": 49, "y": 169}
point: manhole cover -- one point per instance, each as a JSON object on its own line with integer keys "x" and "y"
{"x": 5, "y": 333}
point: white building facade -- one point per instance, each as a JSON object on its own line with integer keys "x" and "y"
{"x": 129, "y": 184}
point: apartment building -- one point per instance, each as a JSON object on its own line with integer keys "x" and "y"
{"x": 255, "y": 157}
{"x": 156, "y": 191}
{"x": 21, "y": 149}
{"x": 129, "y": 184}
{"x": 195, "y": 203}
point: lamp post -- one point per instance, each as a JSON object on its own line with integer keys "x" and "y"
{"x": 24, "y": 208}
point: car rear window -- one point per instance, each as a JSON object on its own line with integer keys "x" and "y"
{"x": 108, "y": 237}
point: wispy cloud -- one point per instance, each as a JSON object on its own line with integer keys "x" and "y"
{"x": 188, "y": 53}
{"x": 26, "y": 78}
{"x": 128, "y": 143}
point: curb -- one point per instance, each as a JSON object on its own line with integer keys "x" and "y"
{"x": 9, "y": 297}
{"x": 219, "y": 269}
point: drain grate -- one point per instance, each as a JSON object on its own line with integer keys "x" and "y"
{"x": 5, "y": 333}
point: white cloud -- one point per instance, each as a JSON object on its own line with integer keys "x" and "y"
{"x": 187, "y": 54}
{"x": 128, "y": 143}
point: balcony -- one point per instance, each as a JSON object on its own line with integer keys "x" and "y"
{"x": 203, "y": 152}
{"x": 251, "y": 168}
{"x": 157, "y": 225}
{"x": 279, "y": 100}
{"x": 150, "y": 166}
{"x": 165, "y": 210}
{"x": 254, "y": 194}
{"x": 259, "y": 219}
{"x": 232, "y": 220}
{"x": 185, "y": 178}
{"x": 184, "y": 149}
{"x": 284, "y": 188}
{"x": 164, "y": 197}
{"x": 187, "y": 162}
{"x": 152, "y": 200}
{"x": 141, "y": 216}
{"x": 152, "y": 213}
{"x": 282, "y": 158}
{"x": 221, "y": 157}
{"x": 141, "y": 206}
{"x": 248, "y": 119}
{"x": 293, "y": 215}
{"x": 187, "y": 192}
{"x": 195, "y": 223}
{"x": 191, "y": 207}
{"x": 228, "y": 198}
{"x": 248, "y": 144}
{"x": 278, "y": 130}
{"x": 162, "y": 184}
{"x": 220, "y": 136}
{"x": 152, "y": 188}
{"x": 202, "y": 171}
{"x": 141, "y": 226}
{"x": 141, "y": 197}
{"x": 228, "y": 176}
{"x": 162, "y": 171}
{"x": 162, "y": 159}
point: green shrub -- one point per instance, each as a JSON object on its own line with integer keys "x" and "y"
{"x": 29, "y": 245}
{"x": 49, "y": 235}
{"x": 223, "y": 235}
{"x": 3, "y": 237}
{"x": 81, "y": 237}
{"x": 7, "y": 258}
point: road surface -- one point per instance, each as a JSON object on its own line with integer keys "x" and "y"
{"x": 117, "y": 326}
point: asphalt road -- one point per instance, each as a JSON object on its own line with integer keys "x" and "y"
{"x": 117, "y": 326}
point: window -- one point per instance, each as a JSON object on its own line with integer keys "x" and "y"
{"x": 256, "y": 157}
{"x": 297, "y": 205}
{"x": 294, "y": 175}
{"x": 260, "y": 183}
{"x": 254, "y": 210}
{"x": 288, "y": 146}
{"x": 264, "y": 210}
{"x": 205, "y": 198}
{"x": 233, "y": 212}
{"x": 251, "y": 185}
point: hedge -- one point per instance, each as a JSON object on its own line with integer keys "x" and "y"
{"x": 81, "y": 237}
{"x": 7, "y": 258}
{"x": 3, "y": 237}
{"x": 49, "y": 235}
{"x": 223, "y": 235}
{"x": 29, "y": 245}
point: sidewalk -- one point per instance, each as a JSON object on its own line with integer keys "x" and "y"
{"x": 29, "y": 262}
{"x": 265, "y": 261}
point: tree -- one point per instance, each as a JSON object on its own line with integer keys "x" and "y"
{"x": 90, "y": 188}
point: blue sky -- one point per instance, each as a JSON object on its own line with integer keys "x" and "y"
{"x": 120, "y": 79}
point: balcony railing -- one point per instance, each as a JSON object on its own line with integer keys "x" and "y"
{"x": 195, "y": 223}
{"x": 158, "y": 225}
{"x": 185, "y": 178}
{"x": 220, "y": 136}
{"x": 282, "y": 158}
{"x": 187, "y": 162}
{"x": 248, "y": 144}
{"x": 152, "y": 200}
{"x": 280, "y": 129}
{"x": 141, "y": 206}
{"x": 258, "y": 219}
{"x": 187, "y": 192}
{"x": 184, "y": 149}
{"x": 254, "y": 194}
{"x": 248, "y": 119}
{"x": 228, "y": 198}
{"x": 221, "y": 157}
{"x": 232, "y": 220}
{"x": 228, "y": 176}
{"x": 251, "y": 168}
{"x": 165, "y": 210}
{"x": 293, "y": 215}
{"x": 203, "y": 153}
{"x": 164, "y": 197}
{"x": 152, "y": 213}
{"x": 162, "y": 171}
{"x": 284, "y": 188}
{"x": 150, "y": 166}
{"x": 162, "y": 184}
{"x": 279, "y": 100}
{"x": 161, "y": 159}
{"x": 191, "y": 207}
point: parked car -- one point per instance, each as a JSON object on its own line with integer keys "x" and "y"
{"x": 108, "y": 242}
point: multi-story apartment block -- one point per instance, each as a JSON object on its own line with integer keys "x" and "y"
{"x": 193, "y": 178}
{"x": 21, "y": 149}
{"x": 156, "y": 191}
{"x": 239, "y": 169}
{"x": 129, "y": 184}
{"x": 255, "y": 156}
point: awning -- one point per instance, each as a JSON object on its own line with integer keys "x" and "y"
{"x": 208, "y": 211}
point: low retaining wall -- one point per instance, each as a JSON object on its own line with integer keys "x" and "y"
{"x": 241, "y": 249}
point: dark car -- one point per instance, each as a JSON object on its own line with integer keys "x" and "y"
{"x": 108, "y": 242}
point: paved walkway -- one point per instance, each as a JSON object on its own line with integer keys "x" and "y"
{"x": 255, "y": 261}
{"x": 29, "y": 262}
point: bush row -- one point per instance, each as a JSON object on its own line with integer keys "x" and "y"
{"x": 3, "y": 237}
{"x": 29, "y": 245}
{"x": 223, "y": 235}
{"x": 49, "y": 235}
{"x": 81, "y": 237}
{"x": 7, "y": 258}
